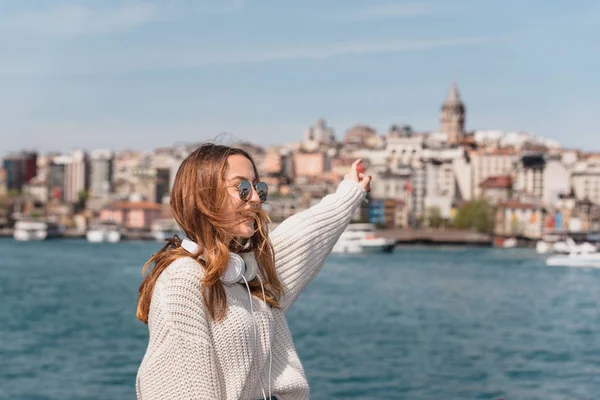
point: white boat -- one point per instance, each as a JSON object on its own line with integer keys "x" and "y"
{"x": 361, "y": 238}
{"x": 562, "y": 247}
{"x": 104, "y": 232}
{"x": 510, "y": 243}
{"x": 542, "y": 247}
{"x": 566, "y": 246}
{"x": 36, "y": 230}
{"x": 582, "y": 260}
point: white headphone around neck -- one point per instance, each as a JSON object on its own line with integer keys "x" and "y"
{"x": 238, "y": 267}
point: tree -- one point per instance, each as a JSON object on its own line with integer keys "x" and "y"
{"x": 433, "y": 217}
{"x": 476, "y": 214}
{"x": 82, "y": 198}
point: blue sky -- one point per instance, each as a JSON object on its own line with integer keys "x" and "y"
{"x": 142, "y": 74}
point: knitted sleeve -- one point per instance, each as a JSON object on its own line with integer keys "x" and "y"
{"x": 303, "y": 241}
{"x": 183, "y": 366}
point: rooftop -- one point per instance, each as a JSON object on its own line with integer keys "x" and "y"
{"x": 497, "y": 182}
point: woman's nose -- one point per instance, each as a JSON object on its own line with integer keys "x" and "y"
{"x": 254, "y": 198}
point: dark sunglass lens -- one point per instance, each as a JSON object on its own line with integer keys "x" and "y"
{"x": 262, "y": 190}
{"x": 245, "y": 189}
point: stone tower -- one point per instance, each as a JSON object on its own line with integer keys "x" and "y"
{"x": 453, "y": 116}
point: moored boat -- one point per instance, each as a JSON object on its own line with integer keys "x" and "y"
{"x": 36, "y": 230}
{"x": 566, "y": 246}
{"x": 361, "y": 238}
{"x": 104, "y": 232}
{"x": 581, "y": 260}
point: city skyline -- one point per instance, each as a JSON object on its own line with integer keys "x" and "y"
{"x": 143, "y": 75}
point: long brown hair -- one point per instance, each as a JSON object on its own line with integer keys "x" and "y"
{"x": 197, "y": 199}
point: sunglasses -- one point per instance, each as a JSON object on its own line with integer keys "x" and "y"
{"x": 245, "y": 190}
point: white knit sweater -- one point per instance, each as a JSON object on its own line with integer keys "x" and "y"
{"x": 191, "y": 357}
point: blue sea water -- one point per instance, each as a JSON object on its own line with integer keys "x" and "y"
{"x": 421, "y": 323}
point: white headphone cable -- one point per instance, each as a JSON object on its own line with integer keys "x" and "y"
{"x": 270, "y": 350}
{"x": 262, "y": 389}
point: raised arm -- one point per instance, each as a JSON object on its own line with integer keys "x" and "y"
{"x": 303, "y": 241}
{"x": 183, "y": 365}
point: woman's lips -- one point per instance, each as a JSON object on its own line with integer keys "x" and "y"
{"x": 245, "y": 218}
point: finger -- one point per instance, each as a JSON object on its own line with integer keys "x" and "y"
{"x": 354, "y": 168}
{"x": 365, "y": 182}
{"x": 361, "y": 176}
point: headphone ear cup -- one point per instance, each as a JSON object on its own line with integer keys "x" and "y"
{"x": 189, "y": 246}
{"x": 236, "y": 267}
{"x": 251, "y": 266}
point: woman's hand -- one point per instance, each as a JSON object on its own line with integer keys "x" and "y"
{"x": 356, "y": 174}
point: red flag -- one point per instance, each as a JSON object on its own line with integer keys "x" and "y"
{"x": 407, "y": 186}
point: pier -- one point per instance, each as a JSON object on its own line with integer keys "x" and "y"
{"x": 437, "y": 237}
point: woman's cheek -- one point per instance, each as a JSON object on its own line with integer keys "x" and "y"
{"x": 232, "y": 204}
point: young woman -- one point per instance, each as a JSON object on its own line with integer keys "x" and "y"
{"x": 215, "y": 302}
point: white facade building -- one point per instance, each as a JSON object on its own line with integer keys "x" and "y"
{"x": 101, "y": 174}
{"x": 76, "y": 175}
{"x": 541, "y": 178}
{"x": 585, "y": 180}
{"x": 392, "y": 185}
{"x": 406, "y": 149}
{"x": 556, "y": 180}
{"x": 486, "y": 164}
{"x": 440, "y": 186}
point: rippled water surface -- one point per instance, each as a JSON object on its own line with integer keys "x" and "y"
{"x": 421, "y": 323}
